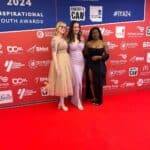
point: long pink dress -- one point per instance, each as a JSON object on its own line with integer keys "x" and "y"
{"x": 77, "y": 62}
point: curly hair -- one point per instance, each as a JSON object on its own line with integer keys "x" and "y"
{"x": 90, "y": 33}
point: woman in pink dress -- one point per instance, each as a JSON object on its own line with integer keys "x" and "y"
{"x": 76, "y": 47}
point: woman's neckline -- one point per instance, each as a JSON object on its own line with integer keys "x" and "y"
{"x": 96, "y": 47}
{"x": 76, "y": 42}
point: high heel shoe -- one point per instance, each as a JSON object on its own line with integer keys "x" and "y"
{"x": 94, "y": 101}
{"x": 63, "y": 107}
{"x": 80, "y": 107}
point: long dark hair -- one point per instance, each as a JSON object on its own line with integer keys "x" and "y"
{"x": 70, "y": 35}
{"x": 90, "y": 33}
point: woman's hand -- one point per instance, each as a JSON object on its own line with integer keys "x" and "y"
{"x": 58, "y": 71}
{"x": 46, "y": 88}
{"x": 95, "y": 58}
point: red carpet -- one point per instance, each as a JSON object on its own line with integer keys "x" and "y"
{"x": 121, "y": 123}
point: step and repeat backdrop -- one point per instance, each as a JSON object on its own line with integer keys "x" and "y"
{"x": 26, "y": 29}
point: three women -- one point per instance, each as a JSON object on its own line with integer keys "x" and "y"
{"x": 66, "y": 71}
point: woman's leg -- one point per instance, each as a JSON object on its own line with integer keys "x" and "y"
{"x": 90, "y": 74}
{"x": 61, "y": 104}
{"x": 98, "y": 88}
{"x": 99, "y": 94}
{"x": 77, "y": 77}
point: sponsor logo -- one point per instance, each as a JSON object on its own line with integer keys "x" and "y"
{"x": 115, "y": 81}
{"x": 136, "y": 59}
{"x": 6, "y": 97}
{"x": 22, "y": 92}
{"x": 111, "y": 45}
{"x": 40, "y": 34}
{"x": 106, "y": 32}
{"x": 148, "y": 31}
{"x": 146, "y": 44}
{"x": 14, "y": 49}
{"x": 117, "y": 62}
{"x": 140, "y": 28}
{"x": 135, "y": 34}
{"x": 114, "y": 84}
{"x": 143, "y": 82}
{"x": 19, "y": 81}
{"x": 96, "y": 13}
{"x": 35, "y": 48}
{"x": 140, "y": 82}
{"x": 133, "y": 71}
{"x": 120, "y": 32}
{"x": 124, "y": 45}
{"x": 123, "y": 56}
{"x": 10, "y": 64}
{"x": 127, "y": 84}
{"x": 44, "y": 92}
{"x": 145, "y": 70}
{"x": 115, "y": 73}
{"x": 138, "y": 33}
{"x": 3, "y": 79}
{"x": 40, "y": 79}
{"x": 111, "y": 87}
{"x": 77, "y": 13}
{"x": 33, "y": 64}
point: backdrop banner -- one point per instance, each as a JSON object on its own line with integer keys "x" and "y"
{"x": 26, "y": 29}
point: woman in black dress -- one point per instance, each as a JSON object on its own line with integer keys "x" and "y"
{"x": 96, "y": 53}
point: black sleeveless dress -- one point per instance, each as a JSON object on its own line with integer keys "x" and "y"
{"x": 98, "y": 69}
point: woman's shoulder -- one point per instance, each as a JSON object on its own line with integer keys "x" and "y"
{"x": 90, "y": 43}
{"x": 58, "y": 39}
{"x": 55, "y": 37}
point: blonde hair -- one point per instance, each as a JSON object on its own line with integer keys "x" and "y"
{"x": 59, "y": 24}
